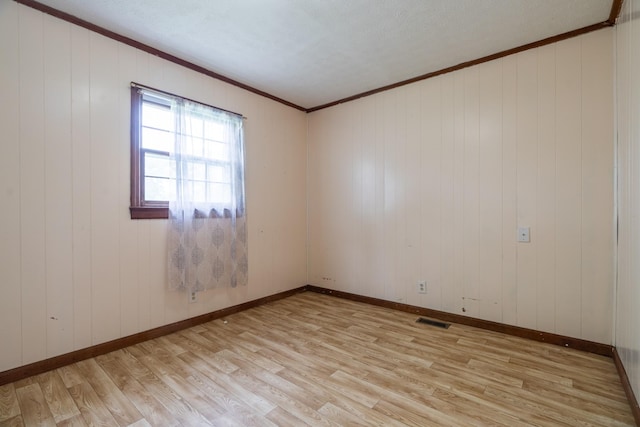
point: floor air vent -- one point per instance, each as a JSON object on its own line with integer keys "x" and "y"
{"x": 435, "y": 323}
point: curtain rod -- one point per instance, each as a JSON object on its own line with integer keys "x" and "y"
{"x": 164, "y": 92}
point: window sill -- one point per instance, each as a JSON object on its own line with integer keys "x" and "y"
{"x": 162, "y": 212}
{"x": 149, "y": 212}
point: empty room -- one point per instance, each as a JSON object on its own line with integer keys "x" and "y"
{"x": 311, "y": 212}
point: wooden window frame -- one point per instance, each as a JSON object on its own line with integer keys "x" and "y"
{"x": 139, "y": 208}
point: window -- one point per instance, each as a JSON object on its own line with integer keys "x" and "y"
{"x": 183, "y": 149}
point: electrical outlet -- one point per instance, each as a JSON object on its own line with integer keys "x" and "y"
{"x": 422, "y": 287}
{"x": 193, "y": 296}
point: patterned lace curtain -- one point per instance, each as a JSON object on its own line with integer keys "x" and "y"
{"x": 207, "y": 219}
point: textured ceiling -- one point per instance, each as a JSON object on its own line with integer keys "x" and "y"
{"x": 313, "y": 52}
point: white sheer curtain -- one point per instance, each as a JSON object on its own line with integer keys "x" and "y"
{"x": 207, "y": 219}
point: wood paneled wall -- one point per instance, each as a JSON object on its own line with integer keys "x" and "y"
{"x": 428, "y": 181}
{"x": 75, "y": 270}
{"x": 431, "y": 180}
{"x": 627, "y": 330}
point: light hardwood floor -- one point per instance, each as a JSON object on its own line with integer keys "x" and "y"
{"x": 319, "y": 360}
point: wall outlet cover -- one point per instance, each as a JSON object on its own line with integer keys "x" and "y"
{"x": 422, "y": 287}
{"x": 523, "y": 235}
{"x": 193, "y": 296}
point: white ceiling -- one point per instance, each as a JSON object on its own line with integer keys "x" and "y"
{"x": 313, "y": 52}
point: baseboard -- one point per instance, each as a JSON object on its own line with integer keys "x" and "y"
{"x": 39, "y": 367}
{"x": 532, "y": 334}
{"x": 626, "y": 385}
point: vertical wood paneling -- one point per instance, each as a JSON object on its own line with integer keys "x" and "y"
{"x": 474, "y": 148}
{"x": 127, "y": 229}
{"x": 314, "y": 237}
{"x": 349, "y": 272}
{"x": 428, "y": 189}
{"x": 379, "y": 244}
{"x": 370, "y": 210}
{"x": 509, "y": 190}
{"x": 569, "y": 187}
{"x": 459, "y": 238}
{"x": 631, "y": 316}
{"x": 546, "y": 191}
{"x": 471, "y": 188}
{"x": 597, "y": 177}
{"x": 391, "y": 192}
{"x": 78, "y": 270}
{"x": 288, "y": 163}
{"x": 447, "y": 195}
{"x": 501, "y": 146}
{"x": 144, "y": 277}
{"x": 490, "y": 191}
{"x": 32, "y": 187}
{"x": 257, "y": 163}
{"x": 293, "y": 258}
{"x": 58, "y": 187}
{"x": 277, "y": 171}
{"x": 341, "y": 161}
{"x": 81, "y": 187}
{"x": 411, "y": 262}
{"x": 378, "y": 224}
{"x": 104, "y": 195}
{"x": 215, "y": 89}
{"x": 10, "y": 225}
{"x": 157, "y": 247}
{"x": 355, "y": 271}
{"x": 145, "y": 305}
{"x": 627, "y": 303}
{"x": 403, "y": 225}
{"x": 627, "y": 294}
{"x": 624, "y": 185}
{"x": 631, "y": 294}
{"x": 377, "y": 248}
{"x": 175, "y": 79}
{"x": 155, "y": 71}
{"x": 527, "y": 163}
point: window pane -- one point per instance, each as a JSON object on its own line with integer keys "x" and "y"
{"x": 159, "y": 180}
{"x": 159, "y": 189}
{"x": 157, "y": 165}
{"x": 194, "y": 126}
{"x": 216, "y": 151}
{"x": 219, "y": 174}
{"x": 198, "y": 171}
{"x": 155, "y": 139}
{"x": 157, "y": 116}
{"x": 199, "y": 191}
{"x": 220, "y": 193}
{"x": 214, "y": 130}
{"x": 194, "y": 146}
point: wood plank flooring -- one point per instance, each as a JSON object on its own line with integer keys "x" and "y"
{"x": 312, "y": 359}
